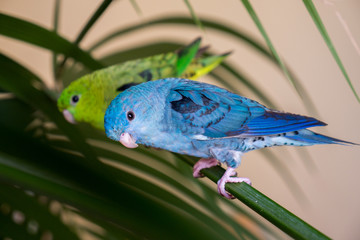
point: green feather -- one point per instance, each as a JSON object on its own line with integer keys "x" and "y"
{"x": 186, "y": 55}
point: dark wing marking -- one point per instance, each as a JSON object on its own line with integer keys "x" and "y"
{"x": 203, "y": 109}
{"x": 146, "y": 75}
{"x": 126, "y": 86}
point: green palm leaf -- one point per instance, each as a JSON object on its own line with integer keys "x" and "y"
{"x": 37, "y": 219}
{"x": 41, "y": 37}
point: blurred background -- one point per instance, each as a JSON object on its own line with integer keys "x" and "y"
{"x": 329, "y": 180}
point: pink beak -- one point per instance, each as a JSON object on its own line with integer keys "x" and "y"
{"x": 69, "y": 117}
{"x": 128, "y": 141}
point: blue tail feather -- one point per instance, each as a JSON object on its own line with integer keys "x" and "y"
{"x": 311, "y": 137}
{"x": 273, "y": 122}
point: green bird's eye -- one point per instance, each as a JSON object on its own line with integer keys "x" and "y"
{"x": 75, "y": 99}
{"x": 130, "y": 115}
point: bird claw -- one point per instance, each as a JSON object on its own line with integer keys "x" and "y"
{"x": 228, "y": 178}
{"x": 203, "y": 163}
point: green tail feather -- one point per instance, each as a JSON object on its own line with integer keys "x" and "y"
{"x": 201, "y": 66}
{"x": 186, "y": 55}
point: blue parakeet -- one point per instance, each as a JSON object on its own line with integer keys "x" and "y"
{"x": 205, "y": 121}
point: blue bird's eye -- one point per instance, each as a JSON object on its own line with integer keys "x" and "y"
{"x": 75, "y": 99}
{"x": 130, "y": 115}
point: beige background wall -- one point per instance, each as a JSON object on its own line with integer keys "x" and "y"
{"x": 333, "y": 190}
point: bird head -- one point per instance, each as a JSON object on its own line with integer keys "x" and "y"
{"x": 79, "y": 103}
{"x": 134, "y": 114}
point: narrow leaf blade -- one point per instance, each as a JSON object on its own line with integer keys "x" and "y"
{"x": 321, "y": 27}
{"x": 41, "y": 37}
{"x": 193, "y": 15}
{"x": 257, "y": 22}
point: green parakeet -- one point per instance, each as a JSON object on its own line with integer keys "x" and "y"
{"x": 86, "y": 99}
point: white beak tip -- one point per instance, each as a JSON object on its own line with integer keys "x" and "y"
{"x": 69, "y": 117}
{"x": 128, "y": 141}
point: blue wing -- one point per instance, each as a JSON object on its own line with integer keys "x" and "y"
{"x": 275, "y": 122}
{"x": 208, "y": 111}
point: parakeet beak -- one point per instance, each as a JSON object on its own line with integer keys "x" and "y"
{"x": 128, "y": 141}
{"x": 68, "y": 116}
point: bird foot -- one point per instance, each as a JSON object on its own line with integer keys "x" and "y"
{"x": 228, "y": 178}
{"x": 203, "y": 163}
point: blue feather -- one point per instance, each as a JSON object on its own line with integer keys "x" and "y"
{"x": 311, "y": 137}
{"x": 274, "y": 122}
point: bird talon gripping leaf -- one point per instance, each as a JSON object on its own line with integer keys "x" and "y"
{"x": 86, "y": 99}
{"x": 205, "y": 121}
